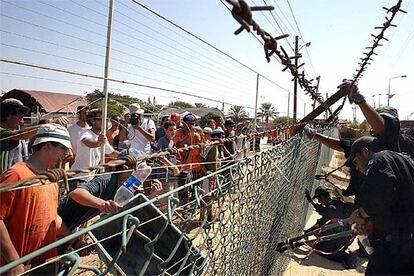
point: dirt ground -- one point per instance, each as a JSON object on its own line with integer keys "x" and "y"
{"x": 316, "y": 264}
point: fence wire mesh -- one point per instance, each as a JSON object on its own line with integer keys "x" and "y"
{"x": 257, "y": 201}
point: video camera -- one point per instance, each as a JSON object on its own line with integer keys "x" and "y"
{"x": 135, "y": 118}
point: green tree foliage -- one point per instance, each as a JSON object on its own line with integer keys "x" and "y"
{"x": 117, "y": 104}
{"x": 180, "y": 104}
{"x": 267, "y": 111}
{"x": 211, "y": 115}
{"x": 237, "y": 113}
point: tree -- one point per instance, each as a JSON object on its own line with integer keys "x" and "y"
{"x": 267, "y": 111}
{"x": 117, "y": 103}
{"x": 211, "y": 115}
{"x": 237, "y": 113}
{"x": 180, "y": 104}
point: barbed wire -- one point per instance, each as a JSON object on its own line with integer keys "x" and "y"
{"x": 365, "y": 61}
{"x": 242, "y": 13}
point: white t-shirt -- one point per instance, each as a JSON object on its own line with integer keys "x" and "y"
{"x": 88, "y": 157}
{"x": 137, "y": 139}
{"x": 74, "y": 133}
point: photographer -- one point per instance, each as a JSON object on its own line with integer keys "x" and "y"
{"x": 139, "y": 131}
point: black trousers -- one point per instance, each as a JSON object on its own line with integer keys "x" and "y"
{"x": 392, "y": 258}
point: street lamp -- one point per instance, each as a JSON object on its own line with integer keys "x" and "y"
{"x": 389, "y": 96}
{"x": 295, "y": 83}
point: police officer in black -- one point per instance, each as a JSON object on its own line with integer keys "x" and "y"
{"x": 386, "y": 199}
{"x": 330, "y": 208}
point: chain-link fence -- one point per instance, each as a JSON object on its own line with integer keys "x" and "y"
{"x": 231, "y": 225}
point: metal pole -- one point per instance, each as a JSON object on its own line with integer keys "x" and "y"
{"x": 379, "y": 100}
{"x": 389, "y": 89}
{"x": 318, "y": 78}
{"x": 288, "y": 111}
{"x": 255, "y": 112}
{"x": 106, "y": 74}
{"x": 295, "y": 83}
{"x": 304, "y": 109}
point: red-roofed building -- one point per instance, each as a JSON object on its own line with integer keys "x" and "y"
{"x": 41, "y": 102}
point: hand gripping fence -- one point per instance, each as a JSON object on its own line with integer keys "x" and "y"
{"x": 256, "y": 202}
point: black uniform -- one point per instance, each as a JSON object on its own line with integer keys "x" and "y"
{"x": 387, "y": 195}
{"x": 335, "y": 209}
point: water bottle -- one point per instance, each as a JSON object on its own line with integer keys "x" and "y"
{"x": 130, "y": 186}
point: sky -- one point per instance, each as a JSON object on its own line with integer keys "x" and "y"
{"x": 71, "y": 35}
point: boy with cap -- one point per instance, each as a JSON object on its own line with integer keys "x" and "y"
{"x": 28, "y": 216}
{"x": 386, "y": 199}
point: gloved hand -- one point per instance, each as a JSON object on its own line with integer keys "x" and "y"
{"x": 309, "y": 132}
{"x": 308, "y": 196}
{"x": 354, "y": 96}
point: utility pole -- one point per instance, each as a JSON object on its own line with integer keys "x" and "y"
{"x": 354, "y": 108}
{"x": 295, "y": 82}
{"x": 318, "y": 79}
{"x": 379, "y": 100}
{"x": 288, "y": 111}
{"x": 106, "y": 73}
{"x": 255, "y": 112}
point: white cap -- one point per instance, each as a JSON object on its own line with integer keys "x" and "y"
{"x": 207, "y": 130}
{"x": 136, "y": 108}
{"x": 52, "y": 133}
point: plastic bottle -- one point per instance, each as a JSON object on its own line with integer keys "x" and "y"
{"x": 128, "y": 188}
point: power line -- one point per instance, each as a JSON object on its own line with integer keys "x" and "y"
{"x": 111, "y": 79}
{"x": 207, "y": 43}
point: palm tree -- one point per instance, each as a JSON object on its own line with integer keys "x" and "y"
{"x": 267, "y": 111}
{"x": 236, "y": 113}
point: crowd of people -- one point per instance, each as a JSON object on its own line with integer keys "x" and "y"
{"x": 35, "y": 216}
{"x": 382, "y": 174}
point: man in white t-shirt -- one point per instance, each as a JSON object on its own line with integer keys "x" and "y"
{"x": 89, "y": 145}
{"x": 139, "y": 131}
{"x": 75, "y": 129}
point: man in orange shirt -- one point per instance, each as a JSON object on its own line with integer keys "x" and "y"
{"x": 28, "y": 216}
{"x": 187, "y": 135}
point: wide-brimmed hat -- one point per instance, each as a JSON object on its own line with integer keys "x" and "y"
{"x": 136, "y": 108}
{"x": 52, "y": 133}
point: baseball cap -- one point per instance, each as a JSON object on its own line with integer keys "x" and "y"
{"x": 388, "y": 111}
{"x": 320, "y": 191}
{"x": 207, "y": 130}
{"x": 175, "y": 117}
{"x": 189, "y": 118}
{"x": 228, "y": 123}
{"x": 359, "y": 144}
{"x": 136, "y": 108}
{"x": 52, "y": 133}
